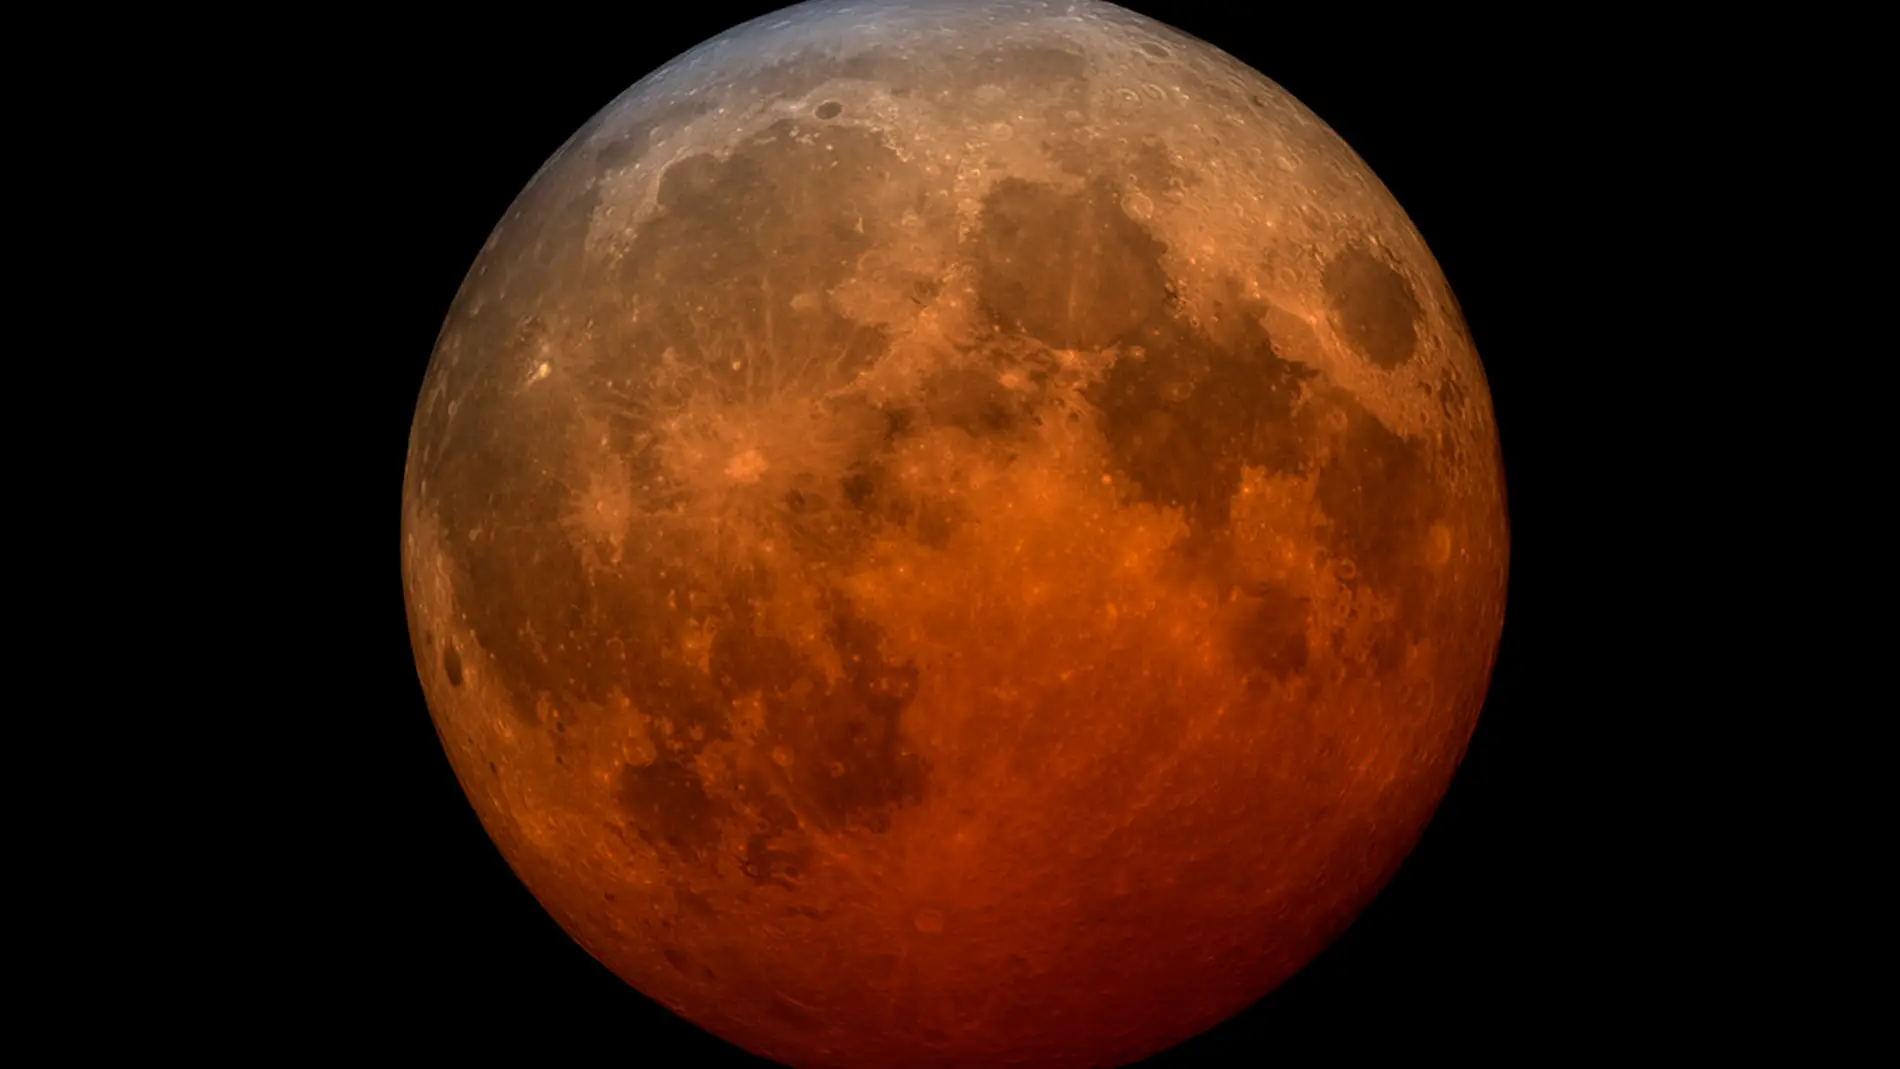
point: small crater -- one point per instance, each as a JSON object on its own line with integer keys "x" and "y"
{"x": 1154, "y": 50}
{"x": 830, "y": 109}
{"x": 766, "y": 862}
{"x": 746, "y": 467}
{"x": 452, "y": 664}
{"x": 1451, "y": 397}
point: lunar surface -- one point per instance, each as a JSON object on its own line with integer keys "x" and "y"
{"x": 954, "y": 534}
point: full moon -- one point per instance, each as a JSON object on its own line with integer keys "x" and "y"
{"x": 954, "y": 534}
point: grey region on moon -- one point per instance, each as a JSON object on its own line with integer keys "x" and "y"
{"x": 825, "y": 297}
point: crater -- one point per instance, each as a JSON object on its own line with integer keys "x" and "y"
{"x": 769, "y": 861}
{"x": 1373, "y": 307}
{"x": 452, "y": 664}
{"x": 1451, "y": 397}
{"x": 830, "y": 109}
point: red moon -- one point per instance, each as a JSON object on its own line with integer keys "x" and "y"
{"x": 954, "y": 534}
